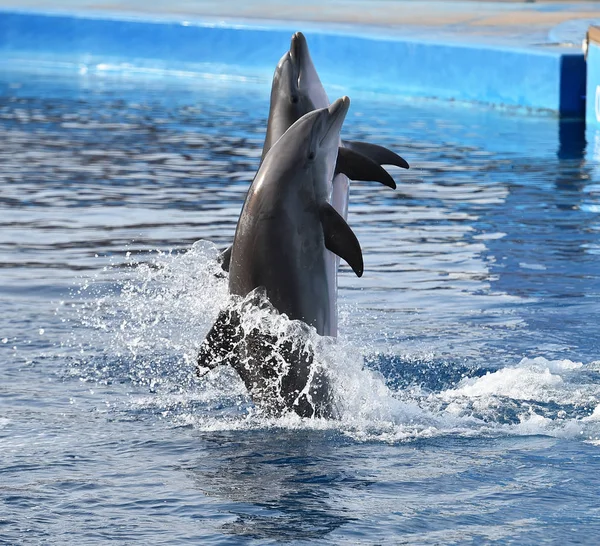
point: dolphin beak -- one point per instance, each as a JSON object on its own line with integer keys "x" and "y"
{"x": 337, "y": 115}
{"x": 338, "y": 111}
{"x": 340, "y": 106}
{"x": 298, "y": 47}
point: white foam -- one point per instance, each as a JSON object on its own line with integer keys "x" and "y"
{"x": 595, "y": 416}
{"x": 532, "y": 379}
{"x": 518, "y": 383}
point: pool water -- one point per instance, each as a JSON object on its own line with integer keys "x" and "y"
{"x": 468, "y": 364}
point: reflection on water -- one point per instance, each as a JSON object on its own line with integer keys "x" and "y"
{"x": 279, "y": 484}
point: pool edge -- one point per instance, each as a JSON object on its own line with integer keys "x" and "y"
{"x": 544, "y": 78}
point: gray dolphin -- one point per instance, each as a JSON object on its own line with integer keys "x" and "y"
{"x": 284, "y": 233}
{"x": 293, "y": 271}
{"x": 297, "y": 90}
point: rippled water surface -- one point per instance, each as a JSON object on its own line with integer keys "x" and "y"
{"x": 467, "y": 371}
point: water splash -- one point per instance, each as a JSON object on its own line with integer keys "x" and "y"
{"x": 151, "y": 312}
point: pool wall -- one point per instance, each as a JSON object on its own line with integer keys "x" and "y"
{"x": 534, "y": 77}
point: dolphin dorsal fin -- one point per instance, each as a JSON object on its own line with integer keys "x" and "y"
{"x": 379, "y": 154}
{"x": 357, "y": 166}
{"x": 340, "y": 239}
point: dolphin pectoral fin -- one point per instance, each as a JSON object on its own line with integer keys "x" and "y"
{"x": 357, "y": 166}
{"x": 225, "y": 258}
{"x": 219, "y": 346}
{"x": 379, "y": 154}
{"x": 340, "y": 239}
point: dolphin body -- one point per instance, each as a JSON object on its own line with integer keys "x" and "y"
{"x": 296, "y": 90}
{"x": 287, "y": 268}
{"x": 285, "y": 231}
{"x": 287, "y": 222}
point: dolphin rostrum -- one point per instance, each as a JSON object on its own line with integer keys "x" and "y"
{"x": 285, "y": 230}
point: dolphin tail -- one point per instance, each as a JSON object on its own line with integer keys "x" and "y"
{"x": 357, "y": 166}
{"x": 340, "y": 239}
{"x": 379, "y": 154}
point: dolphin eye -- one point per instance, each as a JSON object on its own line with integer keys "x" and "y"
{"x": 294, "y": 99}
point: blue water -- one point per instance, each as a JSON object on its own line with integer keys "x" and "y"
{"x": 467, "y": 371}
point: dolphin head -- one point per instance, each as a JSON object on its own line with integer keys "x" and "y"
{"x": 308, "y": 150}
{"x": 285, "y": 87}
{"x": 315, "y": 138}
{"x": 296, "y": 90}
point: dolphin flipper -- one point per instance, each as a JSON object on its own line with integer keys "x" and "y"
{"x": 379, "y": 154}
{"x": 225, "y": 258}
{"x": 220, "y": 345}
{"x": 357, "y": 166}
{"x": 340, "y": 239}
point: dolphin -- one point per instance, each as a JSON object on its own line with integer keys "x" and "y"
{"x": 287, "y": 222}
{"x": 285, "y": 231}
{"x": 274, "y": 267}
{"x": 297, "y": 90}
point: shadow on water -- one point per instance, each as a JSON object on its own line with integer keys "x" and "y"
{"x": 278, "y": 486}
{"x": 571, "y": 139}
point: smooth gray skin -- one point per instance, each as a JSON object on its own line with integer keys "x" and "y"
{"x": 280, "y": 241}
